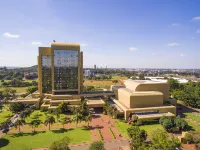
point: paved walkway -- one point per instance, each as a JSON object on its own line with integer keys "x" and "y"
{"x": 104, "y": 123}
{"x": 111, "y": 145}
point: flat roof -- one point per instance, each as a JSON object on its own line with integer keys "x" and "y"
{"x": 154, "y": 116}
{"x": 143, "y": 81}
{"x": 94, "y": 102}
{"x": 135, "y": 93}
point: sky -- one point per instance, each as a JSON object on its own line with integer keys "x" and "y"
{"x": 112, "y": 33}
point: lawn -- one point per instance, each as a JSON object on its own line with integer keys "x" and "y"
{"x": 122, "y": 127}
{"x": 18, "y": 89}
{"x": 43, "y": 139}
{"x": 193, "y": 126}
{"x": 4, "y": 115}
{"x": 193, "y": 117}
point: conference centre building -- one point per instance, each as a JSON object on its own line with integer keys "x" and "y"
{"x": 60, "y": 79}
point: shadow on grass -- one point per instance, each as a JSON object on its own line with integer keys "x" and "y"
{"x": 184, "y": 109}
{"x": 4, "y": 142}
{"x": 27, "y": 134}
{"x": 61, "y": 130}
{"x": 86, "y": 128}
{"x": 190, "y": 128}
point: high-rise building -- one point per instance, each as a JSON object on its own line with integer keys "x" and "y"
{"x": 60, "y": 69}
{"x": 95, "y": 67}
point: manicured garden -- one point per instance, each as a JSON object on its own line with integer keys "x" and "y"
{"x": 43, "y": 139}
{"x": 122, "y": 127}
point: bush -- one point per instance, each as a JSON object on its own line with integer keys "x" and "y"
{"x": 61, "y": 144}
{"x": 169, "y": 123}
{"x": 98, "y": 145}
{"x": 193, "y": 137}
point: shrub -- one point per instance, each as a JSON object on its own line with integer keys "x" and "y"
{"x": 61, "y": 144}
{"x": 98, "y": 145}
{"x": 168, "y": 124}
{"x": 180, "y": 123}
{"x": 193, "y": 137}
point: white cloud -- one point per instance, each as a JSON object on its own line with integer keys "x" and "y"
{"x": 8, "y": 35}
{"x": 182, "y": 55}
{"x": 175, "y": 24}
{"x": 36, "y": 43}
{"x": 198, "y": 31}
{"x": 153, "y": 54}
{"x": 84, "y": 44}
{"x": 1, "y": 58}
{"x": 133, "y": 49}
{"x": 196, "y": 18}
{"x": 173, "y": 44}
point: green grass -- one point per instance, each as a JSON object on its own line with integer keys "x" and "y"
{"x": 193, "y": 126}
{"x": 18, "y": 89}
{"x": 4, "y": 115}
{"x": 193, "y": 117}
{"x": 122, "y": 127}
{"x": 43, "y": 139}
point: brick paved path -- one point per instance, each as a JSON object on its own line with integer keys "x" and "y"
{"x": 104, "y": 123}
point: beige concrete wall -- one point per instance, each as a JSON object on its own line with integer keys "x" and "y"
{"x": 124, "y": 97}
{"x": 146, "y": 101}
{"x": 43, "y": 51}
{"x": 161, "y": 87}
{"x": 162, "y": 109}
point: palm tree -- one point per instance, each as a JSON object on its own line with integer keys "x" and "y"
{"x": 84, "y": 107}
{"x": 49, "y": 120}
{"x": 77, "y": 115}
{"x": 24, "y": 114}
{"x": 19, "y": 123}
{"x": 63, "y": 121}
{"x": 56, "y": 112}
{"x": 88, "y": 118}
{"x": 35, "y": 124}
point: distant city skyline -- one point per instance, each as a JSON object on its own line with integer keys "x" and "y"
{"x": 115, "y": 33}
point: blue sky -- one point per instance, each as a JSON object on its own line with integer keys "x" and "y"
{"x": 116, "y": 33}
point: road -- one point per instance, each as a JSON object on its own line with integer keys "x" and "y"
{"x": 111, "y": 145}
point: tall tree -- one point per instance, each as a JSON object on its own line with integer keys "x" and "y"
{"x": 77, "y": 115}
{"x": 19, "y": 123}
{"x": 35, "y": 124}
{"x": 161, "y": 140}
{"x": 137, "y": 137}
{"x": 63, "y": 120}
{"x": 49, "y": 120}
{"x": 88, "y": 118}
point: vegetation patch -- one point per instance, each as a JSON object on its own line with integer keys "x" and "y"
{"x": 122, "y": 127}
{"x": 193, "y": 116}
{"x": 42, "y": 139}
{"x": 113, "y": 135}
{"x": 100, "y": 135}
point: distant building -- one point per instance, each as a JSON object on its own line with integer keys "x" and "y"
{"x": 88, "y": 73}
{"x": 95, "y": 67}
